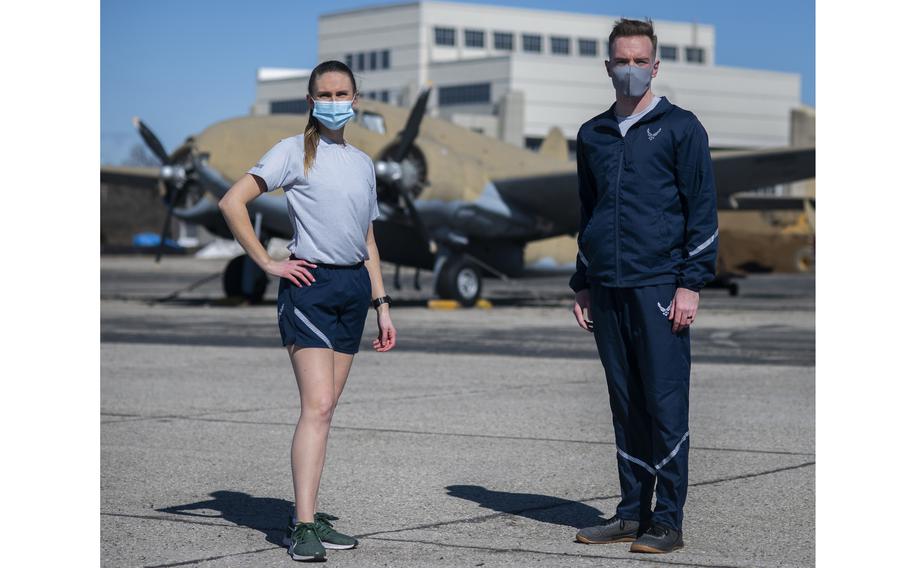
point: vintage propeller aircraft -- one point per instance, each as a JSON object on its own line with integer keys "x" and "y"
{"x": 453, "y": 201}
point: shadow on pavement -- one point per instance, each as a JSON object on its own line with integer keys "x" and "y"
{"x": 263, "y": 514}
{"x": 542, "y": 508}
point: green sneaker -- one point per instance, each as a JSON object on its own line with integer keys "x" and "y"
{"x": 292, "y": 522}
{"x": 305, "y": 543}
{"x": 331, "y": 538}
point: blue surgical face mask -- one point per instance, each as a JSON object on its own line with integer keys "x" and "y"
{"x": 631, "y": 80}
{"x": 333, "y": 114}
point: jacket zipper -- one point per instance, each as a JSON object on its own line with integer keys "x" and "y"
{"x": 622, "y": 153}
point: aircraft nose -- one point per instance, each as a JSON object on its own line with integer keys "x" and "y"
{"x": 173, "y": 173}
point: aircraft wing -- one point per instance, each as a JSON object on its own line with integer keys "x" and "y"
{"x": 735, "y": 172}
{"x": 131, "y": 176}
{"x": 555, "y": 196}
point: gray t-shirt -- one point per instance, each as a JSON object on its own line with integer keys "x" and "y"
{"x": 626, "y": 122}
{"x": 331, "y": 208}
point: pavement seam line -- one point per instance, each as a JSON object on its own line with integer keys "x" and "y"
{"x": 138, "y": 417}
{"x": 209, "y": 559}
{"x": 650, "y": 559}
{"x": 462, "y": 435}
{"x": 582, "y": 501}
{"x": 454, "y": 521}
{"x": 458, "y": 521}
{"x": 187, "y": 521}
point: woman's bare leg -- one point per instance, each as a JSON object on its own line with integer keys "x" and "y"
{"x": 342, "y": 368}
{"x": 314, "y": 370}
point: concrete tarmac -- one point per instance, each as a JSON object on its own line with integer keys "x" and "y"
{"x": 484, "y": 439}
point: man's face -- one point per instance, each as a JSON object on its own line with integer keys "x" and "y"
{"x": 632, "y": 50}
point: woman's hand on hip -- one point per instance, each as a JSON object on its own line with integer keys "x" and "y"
{"x": 387, "y": 333}
{"x": 294, "y": 270}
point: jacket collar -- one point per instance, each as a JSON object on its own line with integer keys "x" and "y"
{"x": 663, "y": 106}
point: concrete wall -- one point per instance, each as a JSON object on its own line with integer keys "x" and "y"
{"x": 741, "y": 108}
{"x": 545, "y": 23}
{"x": 496, "y": 71}
{"x": 377, "y": 28}
{"x": 278, "y": 90}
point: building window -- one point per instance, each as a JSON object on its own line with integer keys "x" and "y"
{"x": 503, "y": 40}
{"x": 587, "y": 47}
{"x": 445, "y": 36}
{"x": 361, "y": 60}
{"x": 695, "y": 54}
{"x": 384, "y": 96}
{"x": 292, "y": 106}
{"x": 385, "y": 58}
{"x": 530, "y": 42}
{"x": 349, "y": 60}
{"x": 559, "y": 45}
{"x": 372, "y": 121}
{"x": 473, "y": 38}
{"x": 669, "y": 52}
{"x": 374, "y": 60}
{"x": 533, "y": 142}
{"x": 476, "y": 93}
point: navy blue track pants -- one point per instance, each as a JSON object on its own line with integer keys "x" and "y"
{"x": 647, "y": 369}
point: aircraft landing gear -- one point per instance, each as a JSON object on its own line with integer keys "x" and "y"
{"x": 725, "y": 280}
{"x": 459, "y": 279}
{"x": 244, "y": 279}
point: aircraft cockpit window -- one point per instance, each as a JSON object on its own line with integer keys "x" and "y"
{"x": 373, "y": 121}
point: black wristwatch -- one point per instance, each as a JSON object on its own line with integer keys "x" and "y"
{"x": 383, "y": 300}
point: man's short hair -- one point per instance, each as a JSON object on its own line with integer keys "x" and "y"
{"x": 625, "y": 28}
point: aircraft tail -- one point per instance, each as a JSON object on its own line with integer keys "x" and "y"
{"x": 554, "y": 145}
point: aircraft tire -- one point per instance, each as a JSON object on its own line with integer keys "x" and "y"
{"x": 234, "y": 278}
{"x": 804, "y": 260}
{"x": 460, "y": 280}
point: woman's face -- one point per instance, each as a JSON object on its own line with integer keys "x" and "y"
{"x": 333, "y": 86}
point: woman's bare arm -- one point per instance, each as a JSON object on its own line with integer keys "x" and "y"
{"x": 387, "y": 332}
{"x": 233, "y": 207}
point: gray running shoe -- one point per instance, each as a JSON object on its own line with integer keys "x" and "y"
{"x": 615, "y": 530}
{"x": 658, "y": 539}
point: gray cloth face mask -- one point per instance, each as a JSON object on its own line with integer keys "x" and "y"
{"x": 631, "y": 80}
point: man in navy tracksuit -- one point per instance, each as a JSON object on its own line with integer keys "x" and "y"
{"x": 647, "y": 244}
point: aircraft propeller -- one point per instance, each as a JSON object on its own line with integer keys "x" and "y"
{"x": 173, "y": 175}
{"x": 396, "y": 174}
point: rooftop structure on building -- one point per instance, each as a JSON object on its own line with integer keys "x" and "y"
{"x": 513, "y": 73}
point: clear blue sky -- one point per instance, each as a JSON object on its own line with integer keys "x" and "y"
{"x": 182, "y": 65}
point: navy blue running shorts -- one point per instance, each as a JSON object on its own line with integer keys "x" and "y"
{"x": 330, "y": 313}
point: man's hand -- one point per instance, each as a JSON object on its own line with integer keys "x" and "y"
{"x": 582, "y": 310}
{"x": 683, "y": 309}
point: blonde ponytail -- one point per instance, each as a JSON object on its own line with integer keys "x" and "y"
{"x": 310, "y": 143}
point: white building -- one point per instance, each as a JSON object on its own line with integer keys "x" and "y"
{"x": 514, "y": 73}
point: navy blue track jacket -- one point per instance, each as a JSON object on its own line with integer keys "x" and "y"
{"x": 648, "y": 203}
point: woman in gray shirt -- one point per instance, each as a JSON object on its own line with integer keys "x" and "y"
{"x": 326, "y": 285}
